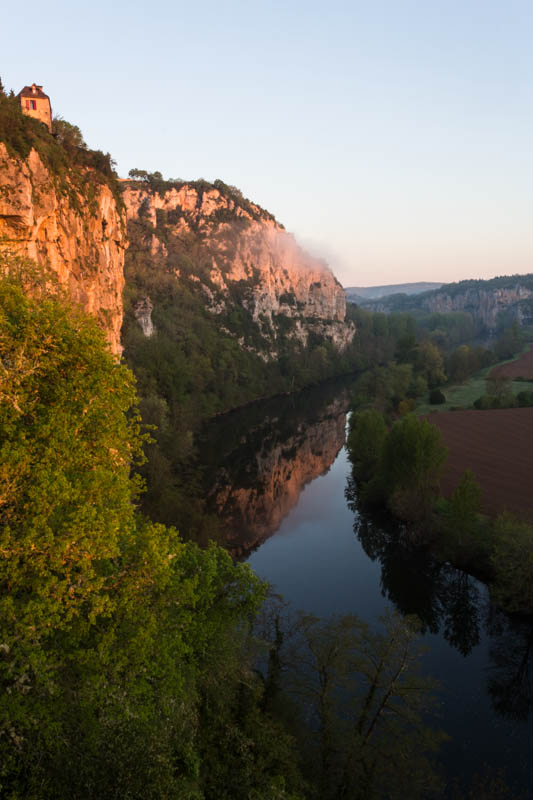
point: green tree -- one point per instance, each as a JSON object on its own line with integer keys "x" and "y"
{"x": 429, "y": 362}
{"x": 67, "y": 134}
{"x": 367, "y": 436}
{"x": 512, "y": 561}
{"x": 462, "y": 515}
{"x": 122, "y": 649}
{"x": 413, "y": 459}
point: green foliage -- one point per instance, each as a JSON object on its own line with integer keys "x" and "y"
{"x": 384, "y": 387}
{"x": 400, "y": 468}
{"x": 465, "y": 361}
{"x": 449, "y": 329}
{"x": 74, "y": 168}
{"x": 413, "y": 459}
{"x": 510, "y": 342}
{"x": 429, "y": 363}
{"x": 512, "y": 561}
{"x": 156, "y": 182}
{"x": 68, "y": 135}
{"x": 436, "y": 397}
{"x": 463, "y": 524}
{"x": 366, "y": 438}
{"x": 122, "y": 650}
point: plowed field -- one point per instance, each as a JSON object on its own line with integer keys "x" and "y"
{"x": 498, "y": 447}
{"x": 521, "y": 368}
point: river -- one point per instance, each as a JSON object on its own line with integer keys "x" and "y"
{"x": 277, "y": 473}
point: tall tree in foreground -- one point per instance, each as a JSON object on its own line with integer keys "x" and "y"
{"x": 115, "y": 636}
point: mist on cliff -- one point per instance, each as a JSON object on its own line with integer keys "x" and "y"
{"x": 325, "y": 255}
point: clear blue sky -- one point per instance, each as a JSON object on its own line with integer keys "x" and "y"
{"x": 395, "y": 137}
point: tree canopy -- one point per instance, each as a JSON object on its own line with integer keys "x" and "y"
{"x": 115, "y": 636}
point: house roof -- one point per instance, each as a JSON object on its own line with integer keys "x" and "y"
{"x": 33, "y": 91}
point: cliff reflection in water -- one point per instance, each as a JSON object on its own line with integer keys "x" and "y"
{"x": 258, "y": 460}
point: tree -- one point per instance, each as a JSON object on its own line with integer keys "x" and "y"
{"x": 509, "y": 342}
{"x": 429, "y": 362}
{"x": 436, "y": 397}
{"x": 365, "y": 442}
{"x": 512, "y": 561}
{"x": 70, "y": 136}
{"x": 462, "y": 515}
{"x": 413, "y": 458}
{"x": 123, "y": 651}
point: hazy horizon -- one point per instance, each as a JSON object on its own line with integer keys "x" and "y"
{"x": 392, "y": 138}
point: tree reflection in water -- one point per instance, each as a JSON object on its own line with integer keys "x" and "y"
{"x": 442, "y": 597}
{"x": 449, "y": 600}
{"x": 510, "y": 670}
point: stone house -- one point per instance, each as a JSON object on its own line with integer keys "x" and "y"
{"x": 35, "y": 103}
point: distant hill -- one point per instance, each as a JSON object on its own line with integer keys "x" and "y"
{"x": 376, "y": 292}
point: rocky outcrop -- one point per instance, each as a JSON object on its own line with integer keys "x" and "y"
{"x": 142, "y": 311}
{"x": 242, "y": 256}
{"x": 81, "y": 238}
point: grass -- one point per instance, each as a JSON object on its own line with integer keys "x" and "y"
{"x": 464, "y": 394}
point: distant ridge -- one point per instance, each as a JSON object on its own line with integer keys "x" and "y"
{"x": 493, "y": 303}
{"x": 375, "y": 292}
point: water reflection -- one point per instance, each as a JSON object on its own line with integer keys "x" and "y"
{"x": 510, "y": 669}
{"x": 451, "y": 602}
{"x": 255, "y": 464}
{"x": 444, "y": 598}
{"x": 258, "y": 460}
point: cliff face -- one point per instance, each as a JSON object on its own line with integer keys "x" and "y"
{"x": 81, "y": 238}
{"x": 484, "y": 300}
{"x": 484, "y": 304}
{"x": 241, "y": 256}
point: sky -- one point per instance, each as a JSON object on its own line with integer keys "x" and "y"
{"x": 393, "y": 137}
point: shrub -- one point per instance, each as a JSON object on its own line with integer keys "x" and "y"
{"x": 436, "y": 397}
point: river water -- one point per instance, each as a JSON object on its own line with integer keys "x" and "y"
{"x": 277, "y": 474}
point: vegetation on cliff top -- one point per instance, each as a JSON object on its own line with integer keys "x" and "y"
{"x": 72, "y": 165}
{"x": 157, "y": 183}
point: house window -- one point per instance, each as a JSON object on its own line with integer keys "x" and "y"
{"x": 33, "y": 105}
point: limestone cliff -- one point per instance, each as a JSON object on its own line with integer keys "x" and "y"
{"x": 80, "y": 235}
{"x": 485, "y": 304}
{"x": 236, "y": 254}
{"x": 490, "y": 302}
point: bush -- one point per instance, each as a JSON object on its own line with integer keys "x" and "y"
{"x": 436, "y": 397}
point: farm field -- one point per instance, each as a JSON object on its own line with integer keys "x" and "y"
{"x": 497, "y": 446}
{"x": 522, "y": 367}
